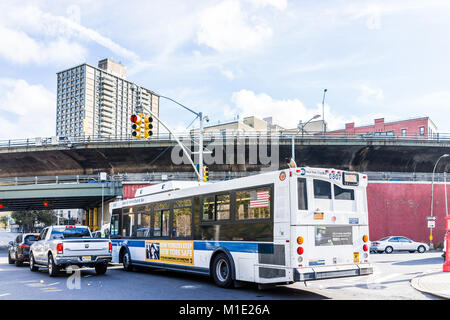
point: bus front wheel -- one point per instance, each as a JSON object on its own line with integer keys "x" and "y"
{"x": 126, "y": 261}
{"x": 221, "y": 271}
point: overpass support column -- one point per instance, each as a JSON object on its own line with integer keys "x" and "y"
{"x": 90, "y": 219}
{"x": 86, "y": 218}
{"x": 95, "y": 226}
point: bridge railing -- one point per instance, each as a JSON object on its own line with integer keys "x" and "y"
{"x": 156, "y": 177}
{"x": 211, "y": 136}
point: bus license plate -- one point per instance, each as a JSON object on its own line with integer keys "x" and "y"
{"x": 86, "y": 258}
{"x": 355, "y": 256}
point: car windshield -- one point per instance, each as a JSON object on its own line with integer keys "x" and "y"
{"x": 70, "y": 233}
{"x": 385, "y": 238}
{"x": 31, "y": 238}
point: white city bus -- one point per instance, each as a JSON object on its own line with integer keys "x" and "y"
{"x": 278, "y": 227}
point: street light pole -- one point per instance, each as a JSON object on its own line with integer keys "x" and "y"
{"x": 293, "y": 136}
{"x": 432, "y": 189}
{"x": 323, "y": 111}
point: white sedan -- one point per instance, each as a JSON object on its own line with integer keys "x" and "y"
{"x": 396, "y": 243}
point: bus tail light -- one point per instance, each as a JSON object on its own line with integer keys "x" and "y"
{"x": 110, "y": 247}
{"x": 300, "y": 250}
{"x": 59, "y": 248}
{"x": 365, "y": 247}
{"x": 365, "y": 238}
{"x": 300, "y": 240}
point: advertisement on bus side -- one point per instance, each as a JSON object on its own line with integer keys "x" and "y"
{"x": 177, "y": 252}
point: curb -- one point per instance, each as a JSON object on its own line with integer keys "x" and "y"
{"x": 415, "y": 283}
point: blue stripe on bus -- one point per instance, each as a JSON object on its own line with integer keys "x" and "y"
{"x": 247, "y": 247}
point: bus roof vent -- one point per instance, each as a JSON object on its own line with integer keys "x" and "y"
{"x": 164, "y": 187}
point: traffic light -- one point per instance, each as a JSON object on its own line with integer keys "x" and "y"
{"x": 136, "y": 121}
{"x": 205, "y": 174}
{"x": 47, "y": 204}
{"x": 148, "y": 126}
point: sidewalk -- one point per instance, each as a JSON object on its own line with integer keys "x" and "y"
{"x": 436, "y": 283}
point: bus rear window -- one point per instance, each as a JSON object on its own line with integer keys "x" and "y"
{"x": 322, "y": 189}
{"x": 343, "y": 194}
{"x": 301, "y": 194}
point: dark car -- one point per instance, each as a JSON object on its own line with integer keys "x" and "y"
{"x": 19, "y": 249}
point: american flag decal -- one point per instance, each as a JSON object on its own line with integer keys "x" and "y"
{"x": 259, "y": 199}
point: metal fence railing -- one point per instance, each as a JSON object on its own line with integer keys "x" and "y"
{"x": 155, "y": 177}
{"x": 217, "y": 136}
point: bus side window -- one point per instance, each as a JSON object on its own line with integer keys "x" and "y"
{"x": 302, "y": 196}
{"x": 209, "y": 204}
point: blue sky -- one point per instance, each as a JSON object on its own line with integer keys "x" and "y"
{"x": 228, "y": 57}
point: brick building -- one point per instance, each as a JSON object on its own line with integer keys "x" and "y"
{"x": 418, "y": 127}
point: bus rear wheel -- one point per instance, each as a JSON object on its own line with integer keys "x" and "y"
{"x": 221, "y": 271}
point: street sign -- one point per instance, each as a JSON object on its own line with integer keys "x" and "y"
{"x": 431, "y": 224}
{"x": 431, "y": 218}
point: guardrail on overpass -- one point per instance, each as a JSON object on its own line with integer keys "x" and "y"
{"x": 208, "y": 137}
{"x": 156, "y": 177}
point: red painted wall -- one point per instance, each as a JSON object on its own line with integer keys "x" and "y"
{"x": 401, "y": 209}
{"x": 129, "y": 190}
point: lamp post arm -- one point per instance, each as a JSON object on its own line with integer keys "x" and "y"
{"x": 188, "y": 109}
{"x": 179, "y": 143}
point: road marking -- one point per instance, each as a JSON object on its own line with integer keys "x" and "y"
{"x": 52, "y": 284}
{"x": 5, "y": 294}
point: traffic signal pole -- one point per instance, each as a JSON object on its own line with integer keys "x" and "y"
{"x": 200, "y": 151}
{"x": 185, "y": 150}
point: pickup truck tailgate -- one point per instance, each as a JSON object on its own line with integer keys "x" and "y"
{"x": 84, "y": 247}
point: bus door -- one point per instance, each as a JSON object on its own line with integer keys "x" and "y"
{"x": 114, "y": 234}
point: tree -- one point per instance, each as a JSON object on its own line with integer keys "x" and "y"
{"x": 4, "y": 221}
{"x": 28, "y": 218}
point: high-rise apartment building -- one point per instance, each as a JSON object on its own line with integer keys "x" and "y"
{"x": 98, "y": 102}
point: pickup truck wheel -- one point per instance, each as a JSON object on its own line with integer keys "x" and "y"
{"x": 33, "y": 266}
{"x": 101, "y": 268}
{"x": 53, "y": 269}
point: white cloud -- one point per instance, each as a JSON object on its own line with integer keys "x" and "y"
{"x": 26, "y": 110}
{"x": 19, "y": 48}
{"x": 370, "y": 95}
{"x": 227, "y": 27}
{"x": 287, "y": 112}
{"x": 278, "y": 4}
{"x": 50, "y": 36}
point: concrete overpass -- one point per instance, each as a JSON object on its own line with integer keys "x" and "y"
{"x": 25, "y": 158}
{"x": 57, "y": 195}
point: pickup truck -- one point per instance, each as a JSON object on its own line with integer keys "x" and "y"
{"x": 59, "y": 247}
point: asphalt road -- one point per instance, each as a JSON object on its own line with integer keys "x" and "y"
{"x": 391, "y": 280}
